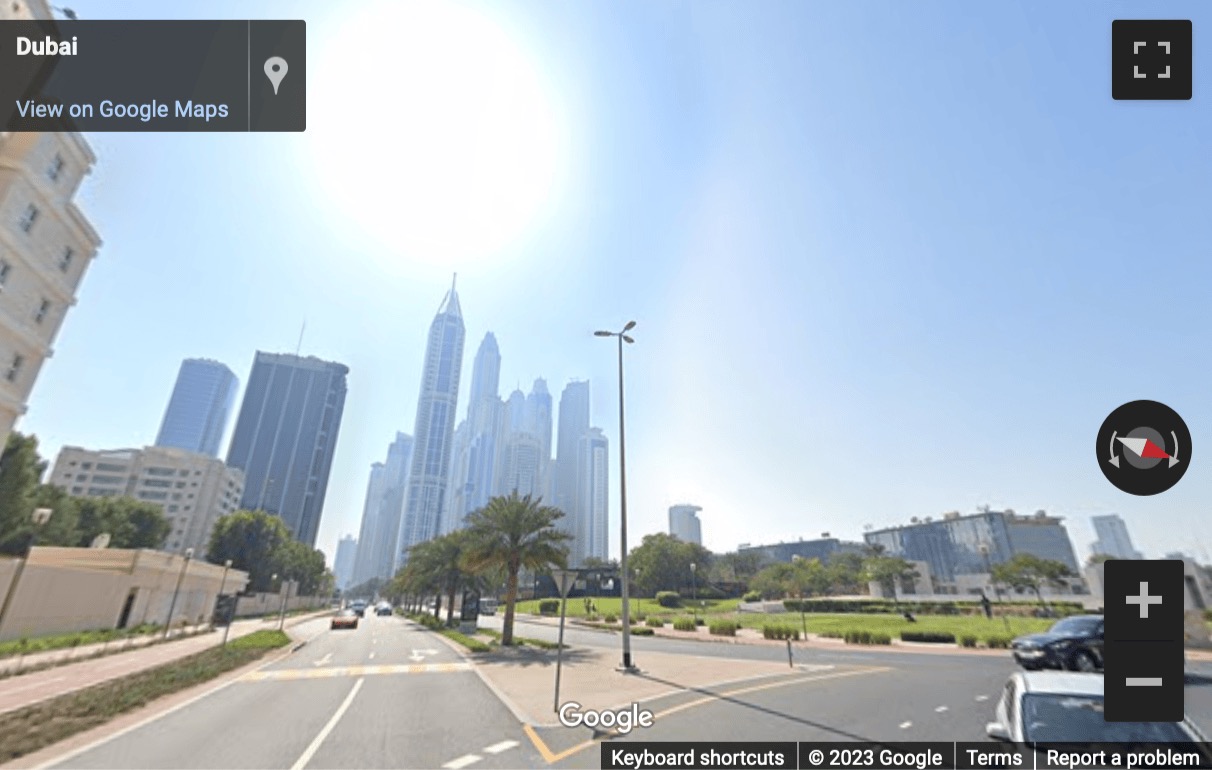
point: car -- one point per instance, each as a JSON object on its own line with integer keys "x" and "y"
{"x": 383, "y": 609}
{"x": 1075, "y": 644}
{"x": 344, "y": 619}
{"x": 488, "y": 606}
{"x": 359, "y": 608}
{"x": 1067, "y": 707}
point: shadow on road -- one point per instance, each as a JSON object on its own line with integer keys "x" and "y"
{"x": 524, "y": 656}
{"x": 843, "y": 734}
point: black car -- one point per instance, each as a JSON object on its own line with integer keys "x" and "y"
{"x": 1075, "y": 643}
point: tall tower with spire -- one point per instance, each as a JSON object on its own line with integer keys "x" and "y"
{"x": 425, "y": 498}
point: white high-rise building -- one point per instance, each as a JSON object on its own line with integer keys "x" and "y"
{"x": 46, "y": 244}
{"x": 593, "y": 485}
{"x": 343, "y": 561}
{"x": 364, "y": 563}
{"x": 1113, "y": 538}
{"x": 193, "y": 489}
{"x": 523, "y": 466}
{"x": 684, "y": 523}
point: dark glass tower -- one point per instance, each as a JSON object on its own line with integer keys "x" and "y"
{"x": 285, "y": 437}
{"x": 199, "y": 407}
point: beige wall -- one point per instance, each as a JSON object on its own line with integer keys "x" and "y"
{"x": 80, "y": 589}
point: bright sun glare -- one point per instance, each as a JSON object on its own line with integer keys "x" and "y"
{"x": 464, "y": 150}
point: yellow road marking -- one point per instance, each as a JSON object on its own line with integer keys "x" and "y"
{"x": 551, "y": 757}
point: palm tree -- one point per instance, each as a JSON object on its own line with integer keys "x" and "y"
{"x": 511, "y": 533}
{"x": 441, "y": 559}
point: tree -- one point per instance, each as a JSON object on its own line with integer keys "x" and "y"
{"x": 1028, "y": 571}
{"x": 130, "y": 523}
{"x": 441, "y": 561}
{"x": 20, "y": 470}
{"x": 888, "y": 572}
{"x": 251, "y": 539}
{"x": 662, "y": 563}
{"x": 514, "y": 532}
{"x": 845, "y": 573}
{"x": 299, "y": 562}
{"x": 771, "y": 581}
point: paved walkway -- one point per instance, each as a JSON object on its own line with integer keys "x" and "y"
{"x": 26, "y": 689}
{"x": 14, "y": 663}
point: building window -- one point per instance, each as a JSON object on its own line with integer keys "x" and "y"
{"x": 43, "y": 309}
{"x": 14, "y": 368}
{"x": 65, "y": 261}
{"x": 86, "y": 466}
{"x": 77, "y": 490}
{"x": 5, "y": 269}
{"x": 28, "y": 218}
{"x": 56, "y": 168}
{"x": 111, "y": 467}
{"x": 180, "y": 485}
{"x": 81, "y": 476}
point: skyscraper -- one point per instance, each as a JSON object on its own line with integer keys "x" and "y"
{"x": 684, "y": 523}
{"x": 1113, "y": 538}
{"x": 478, "y": 439}
{"x": 285, "y": 437}
{"x": 198, "y": 409}
{"x": 364, "y": 562}
{"x": 343, "y": 561}
{"x": 391, "y": 510}
{"x": 573, "y": 423}
{"x": 429, "y": 480}
{"x": 593, "y": 485}
{"x": 538, "y": 418}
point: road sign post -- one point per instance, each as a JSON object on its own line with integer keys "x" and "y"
{"x": 565, "y": 579}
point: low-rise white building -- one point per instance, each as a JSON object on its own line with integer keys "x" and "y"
{"x": 193, "y": 489}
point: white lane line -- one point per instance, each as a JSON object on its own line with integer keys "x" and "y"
{"x": 497, "y": 748}
{"x": 982, "y": 698}
{"x": 463, "y": 761}
{"x": 940, "y": 709}
{"x": 371, "y": 656}
{"x": 906, "y": 725}
{"x": 328, "y": 728}
{"x": 323, "y": 660}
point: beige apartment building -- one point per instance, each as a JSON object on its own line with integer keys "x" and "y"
{"x": 194, "y": 489}
{"x": 46, "y": 244}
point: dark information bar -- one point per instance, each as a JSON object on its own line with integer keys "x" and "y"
{"x": 153, "y": 76}
{"x": 906, "y": 756}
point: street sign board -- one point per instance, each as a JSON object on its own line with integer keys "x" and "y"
{"x": 564, "y": 579}
{"x": 470, "y": 611}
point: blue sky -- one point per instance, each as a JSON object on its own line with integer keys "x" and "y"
{"x": 886, "y": 259}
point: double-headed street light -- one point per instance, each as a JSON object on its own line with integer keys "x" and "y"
{"x": 622, "y": 336}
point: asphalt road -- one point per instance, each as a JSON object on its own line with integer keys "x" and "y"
{"x": 391, "y": 695}
{"x": 387, "y": 695}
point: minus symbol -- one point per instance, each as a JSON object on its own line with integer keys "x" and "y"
{"x": 1143, "y": 681}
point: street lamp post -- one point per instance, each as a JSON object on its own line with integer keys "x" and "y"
{"x": 285, "y": 596}
{"x": 168, "y": 625}
{"x": 232, "y": 616}
{"x": 694, "y": 590}
{"x": 40, "y": 517}
{"x": 622, "y": 336}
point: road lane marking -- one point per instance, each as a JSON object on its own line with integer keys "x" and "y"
{"x": 292, "y": 674}
{"x": 328, "y": 728}
{"x": 940, "y": 709}
{"x": 982, "y": 698}
{"x": 497, "y": 748}
{"x": 323, "y": 660}
{"x": 371, "y": 656}
{"x": 463, "y": 761}
{"x": 906, "y": 725}
{"x": 551, "y": 757}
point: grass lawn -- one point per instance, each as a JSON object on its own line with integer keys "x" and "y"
{"x": 25, "y": 646}
{"x": 980, "y": 627}
{"x": 613, "y": 605}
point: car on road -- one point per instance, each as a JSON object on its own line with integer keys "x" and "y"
{"x": 359, "y": 607}
{"x": 1067, "y": 707}
{"x": 345, "y": 619}
{"x": 383, "y": 609}
{"x": 1075, "y": 644}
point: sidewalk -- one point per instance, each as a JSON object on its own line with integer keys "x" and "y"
{"x": 13, "y": 663}
{"x": 26, "y": 689}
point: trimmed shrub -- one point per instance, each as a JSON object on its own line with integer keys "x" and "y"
{"x": 609, "y": 618}
{"x": 684, "y": 624}
{"x": 723, "y": 627}
{"x": 1208, "y": 615}
{"x": 549, "y": 606}
{"x": 793, "y": 605}
{"x": 655, "y": 622}
{"x": 637, "y": 619}
{"x": 998, "y": 642}
{"x": 700, "y": 621}
{"x": 752, "y": 596}
{"x": 831, "y": 634}
{"x": 967, "y": 640}
{"x": 669, "y": 599}
{"x": 781, "y": 632}
{"x": 932, "y": 637}
{"x": 867, "y": 637}
{"x": 641, "y": 632}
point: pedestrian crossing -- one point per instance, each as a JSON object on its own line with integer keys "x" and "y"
{"x": 294, "y": 674}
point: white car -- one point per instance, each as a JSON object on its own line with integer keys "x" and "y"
{"x": 1065, "y": 707}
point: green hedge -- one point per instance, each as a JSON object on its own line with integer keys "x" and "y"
{"x": 669, "y": 599}
{"x": 723, "y": 627}
{"x": 642, "y": 631}
{"x": 961, "y": 607}
{"x": 933, "y": 637}
{"x": 684, "y": 624}
{"x": 967, "y": 640}
{"x": 752, "y": 596}
{"x": 867, "y": 637}
{"x": 655, "y": 622}
{"x": 611, "y": 618}
{"x": 549, "y": 606}
{"x": 998, "y": 642}
{"x": 781, "y": 632}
